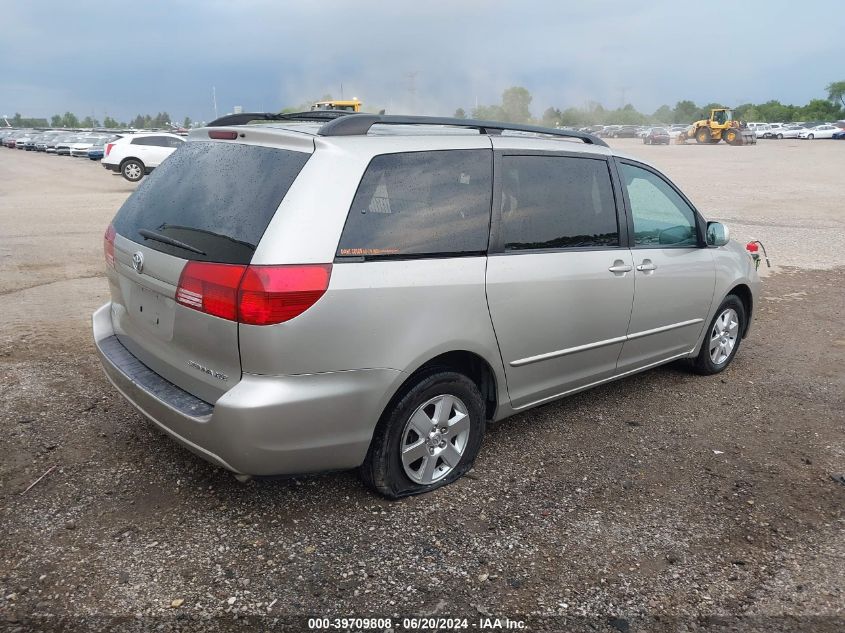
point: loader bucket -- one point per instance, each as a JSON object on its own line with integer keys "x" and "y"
{"x": 734, "y": 136}
{"x": 748, "y": 137}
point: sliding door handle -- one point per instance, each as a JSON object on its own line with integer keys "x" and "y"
{"x": 620, "y": 267}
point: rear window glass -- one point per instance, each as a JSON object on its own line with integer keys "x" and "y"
{"x": 216, "y": 199}
{"x": 557, "y": 202}
{"x": 421, "y": 203}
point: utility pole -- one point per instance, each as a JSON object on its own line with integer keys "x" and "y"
{"x": 623, "y": 93}
{"x": 214, "y": 99}
{"x": 411, "y": 76}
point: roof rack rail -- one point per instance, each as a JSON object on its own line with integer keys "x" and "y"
{"x": 360, "y": 124}
{"x": 319, "y": 116}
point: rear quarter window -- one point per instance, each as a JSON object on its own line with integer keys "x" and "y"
{"x": 415, "y": 204}
{"x": 216, "y": 197}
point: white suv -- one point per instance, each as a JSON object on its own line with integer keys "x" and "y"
{"x": 138, "y": 154}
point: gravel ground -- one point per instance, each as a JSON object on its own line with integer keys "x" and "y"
{"x": 662, "y": 502}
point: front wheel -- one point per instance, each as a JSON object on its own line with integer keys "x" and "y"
{"x": 427, "y": 438}
{"x": 780, "y": 136}
{"x": 810, "y": 136}
{"x": 723, "y": 337}
{"x": 132, "y": 170}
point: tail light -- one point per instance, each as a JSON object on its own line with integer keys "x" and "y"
{"x": 752, "y": 247}
{"x": 274, "y": 294}
{"x": 108, "y": 149}
{"x": 108, "y": 245}
{"x": 254, "y": 295}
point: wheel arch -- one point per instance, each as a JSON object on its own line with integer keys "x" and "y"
{"x": 744, "y": 293}
{"x": 125, "y": 160}
{"x": 470, "y": 364}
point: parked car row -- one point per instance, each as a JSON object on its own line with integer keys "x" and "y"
{"x": 811, "y": 130}
{"x": 131, "y": 154}
{"x": 806, "y": 130}
{"x": 59, "y": 142}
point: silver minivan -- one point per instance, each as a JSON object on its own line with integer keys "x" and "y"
{"x": 325, "y": 291}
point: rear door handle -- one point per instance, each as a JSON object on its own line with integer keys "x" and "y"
{"x": 646, "y": 266}
{"x": 620, "y": 267}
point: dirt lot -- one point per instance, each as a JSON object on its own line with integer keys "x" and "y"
{"x": 657, "y": 501}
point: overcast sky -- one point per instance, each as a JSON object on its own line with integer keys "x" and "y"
{"x": 97, "y": 58}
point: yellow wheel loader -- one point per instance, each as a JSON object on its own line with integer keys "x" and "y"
{"x": 352, "y": 106}
{"x": 720, "y": 126}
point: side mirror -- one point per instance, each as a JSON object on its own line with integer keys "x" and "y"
{"x": 717, "y": 234}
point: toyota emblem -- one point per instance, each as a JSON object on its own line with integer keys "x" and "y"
{"x": 138, "y": 261}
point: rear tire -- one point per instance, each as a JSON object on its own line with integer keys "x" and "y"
{"x": 724, "y": 334}
{"x": 780, "y": 137}
{"x": 132, "y": 169}
{"x": 418, "y": 445}
{"x": 810, "y": 137}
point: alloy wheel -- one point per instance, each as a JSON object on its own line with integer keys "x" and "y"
{"x": 434, "y": 439}
{"x": 723, "y": 336}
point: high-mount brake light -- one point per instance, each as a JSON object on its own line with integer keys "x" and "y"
{"x": 108, "y": 245}
{"x": 225, "y": 135}
{"x": 253, "y": 295}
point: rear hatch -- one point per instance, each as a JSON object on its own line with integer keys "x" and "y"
{"x": 208, "y": 202}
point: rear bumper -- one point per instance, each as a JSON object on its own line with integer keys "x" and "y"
{"x": 111, "y": 166}
{"x": 264, "y": 425}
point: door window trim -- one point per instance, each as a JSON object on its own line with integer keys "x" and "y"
{"x": 700, "y": 224}
{"x": 496, "y": 247}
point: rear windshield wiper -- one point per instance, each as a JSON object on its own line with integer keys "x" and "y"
{"x": 158, "y": 237}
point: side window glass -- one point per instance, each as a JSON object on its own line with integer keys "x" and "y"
{"x": 661, "y": 216}
{"x": 421, "y": 203}
{"x": 557, "y": 202}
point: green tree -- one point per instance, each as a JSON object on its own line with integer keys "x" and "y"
{"x": 575, "y": 117}
{"x": 515, "y": 105}
{"x": 110, "y": 123}
{"x": 685, "y": 112}
{"x": 551, "y": 117}
{"x": 460, "y": 113}
{"x": 56, "y": 120}
{"x": 17, "y": 120}
{"x": 820, "y": 110}
{"x": 836, "y": 92}
{"x": 489, "y": 113}
{"x": 69, "y": 120}
{"x": 663, "y": 114}
{"x": 186, "y": 123}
